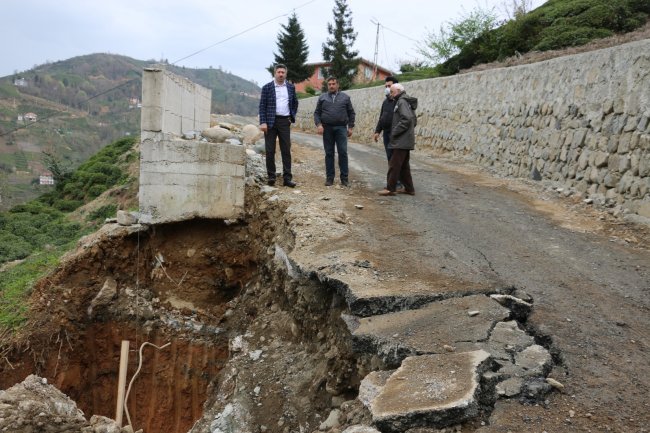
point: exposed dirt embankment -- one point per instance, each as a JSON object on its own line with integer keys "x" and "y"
{"x": 239, "y": 326}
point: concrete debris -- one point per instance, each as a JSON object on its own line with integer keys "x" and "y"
{"x": 520, "y": 309}
{"x": 255, "y": 355}
{"x": 360, "y": 429}
{"x": 507, "y": 339}
{"x": 217, "y": 134}
{"x": 125, "y": 218}
{"x": 429, "y": 390}
{"x": 101, "y": 424}
{"x": 531, "y": 365}
{"x": 555, "y": 384}
{"x": 106, "y": 294}
{"x": 228, "y": 420}
{"x": 251, "y": 133}
{"x": 332, "y": 421}
{"x": 535, "y": 389}
{"x": 35, "y": 406}
{"x": 535, "y": 360}
{"x": 510, "y": 387}
{"x": 259, "y": 147}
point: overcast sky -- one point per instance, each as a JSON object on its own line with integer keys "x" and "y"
{"x": 37, "y": 31}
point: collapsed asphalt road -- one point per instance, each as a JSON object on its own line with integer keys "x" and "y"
{"x": 466, "y": 232}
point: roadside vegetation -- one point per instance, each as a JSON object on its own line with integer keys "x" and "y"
{"x": 38, "y": 232}
{"x": 555, "y": 25}
{"x": 478, "y": 38}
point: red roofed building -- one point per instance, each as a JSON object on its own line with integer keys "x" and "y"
{"x": 366, "y": 72}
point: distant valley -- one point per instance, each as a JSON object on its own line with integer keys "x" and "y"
{"x": 72, "y": 108}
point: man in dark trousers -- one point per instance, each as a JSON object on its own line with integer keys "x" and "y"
{"x": 402, "y": 141}
{"x": 334, "y": 118}
{"x": 386, "y": 116}
{"x": 277, "y": 111}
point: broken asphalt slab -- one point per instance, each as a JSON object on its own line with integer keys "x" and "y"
{"x": 427, "y": 390}
{"x": 456, "y": 324}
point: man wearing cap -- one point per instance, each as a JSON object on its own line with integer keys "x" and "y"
{"x": 402, "y": 141}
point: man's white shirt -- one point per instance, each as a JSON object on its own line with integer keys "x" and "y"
{"x": 281, "y": 99}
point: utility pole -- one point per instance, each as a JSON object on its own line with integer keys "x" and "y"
{"x": 376, "y": 56}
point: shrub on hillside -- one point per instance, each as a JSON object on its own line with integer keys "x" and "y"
{"x": 569, "y": 36}
{"x": 101, "y": 213}
{"x": 13, "y": 247}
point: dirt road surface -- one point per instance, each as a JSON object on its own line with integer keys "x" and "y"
{"x": 466, "y": 231}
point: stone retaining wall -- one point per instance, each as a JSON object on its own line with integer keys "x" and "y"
{"x": 580, "y": 120}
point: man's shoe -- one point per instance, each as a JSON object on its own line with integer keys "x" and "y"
{"x": 289, "y": 183}
{"x": 403, "y": 191}
{"x": 270, "y": 182}
{"x": 345, "y": 182}
{"x": 329, "y": 182}
{"x": 386, "y": 192}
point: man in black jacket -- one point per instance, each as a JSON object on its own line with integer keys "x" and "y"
{"x": 334, "y": 118}
{"x": 386, "y": 116}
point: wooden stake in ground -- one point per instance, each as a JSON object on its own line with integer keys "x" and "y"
{"x": 121, "y": 383}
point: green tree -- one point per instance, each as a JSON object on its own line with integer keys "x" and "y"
{"x": 293, "y": 51}
{"x": 61, "y": 171}
{"x": 456, "y": 35}
{"x": 337, "y": 50}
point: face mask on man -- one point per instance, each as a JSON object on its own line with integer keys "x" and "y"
{"x": 386, "y": 91}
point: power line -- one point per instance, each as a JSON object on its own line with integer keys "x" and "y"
{"x": 400, "y": 34}
{"x": 243, "y": 31}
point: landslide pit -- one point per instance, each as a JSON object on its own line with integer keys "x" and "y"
{"x": 254, "y": 345}
{"x": 239, "y": 328}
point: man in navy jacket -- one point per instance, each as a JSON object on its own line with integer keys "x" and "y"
{"x": 277, "y": 111}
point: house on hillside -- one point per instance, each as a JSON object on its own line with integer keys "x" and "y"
{"x": 20, "y": 82}
{"x": 366, "y": 72}
{"x": 46, "y": 179}
{"x": 30, "y": 117}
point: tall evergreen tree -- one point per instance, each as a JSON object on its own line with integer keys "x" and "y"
{"x": 293, "y": 51}
{"x": 338, "y": 48}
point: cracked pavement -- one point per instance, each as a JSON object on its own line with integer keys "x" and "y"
{"x": 466, "y": 233}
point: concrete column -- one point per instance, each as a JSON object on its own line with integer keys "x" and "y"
{"x": 183, "y": 179}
